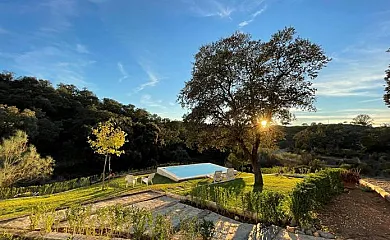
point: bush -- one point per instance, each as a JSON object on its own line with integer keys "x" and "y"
{"x": 386, "y": 172}
{"x": 50, "y": 188}
{"x": 206, "y": 229}
{"x": 316, "y": 190}
{"x": 267, "y": 205}
{"x": 350, "y": 176}
{"x": 346, "y": 166}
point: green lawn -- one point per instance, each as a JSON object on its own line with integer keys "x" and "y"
{"x": 21, "y": 206}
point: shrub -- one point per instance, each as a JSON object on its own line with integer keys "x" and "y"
{"x": 162, "y": 228}
{"x": 270, "y": 207}
{"x": 140, "y": 219}
{"x": 189, "y": 228}
{"x": 346, "y": 166}
{"x": 206, "y": 229}
{"x": 266, "y": 205}
{"x": 351, "y": 175}
{"x": 50, "y": 188}
{"x": 386, "y": 172}
{"x": 316, "y": 190}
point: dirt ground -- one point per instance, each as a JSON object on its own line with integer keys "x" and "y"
{"x": 358, "y": 215}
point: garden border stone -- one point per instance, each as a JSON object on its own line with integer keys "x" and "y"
{"x": 377, "y": 189}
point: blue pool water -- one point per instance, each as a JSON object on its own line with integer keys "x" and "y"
{"x": 194, "y": 170}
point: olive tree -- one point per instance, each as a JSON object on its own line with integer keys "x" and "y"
{"x": 238, "y": 82}
{"x": 363, "y": 119}
{"x": 20, "y": 161}
{"x": 386, "y": 96}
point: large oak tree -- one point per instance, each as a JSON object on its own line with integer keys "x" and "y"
{"x": 386, "y": 96}
{"x": 237, "y": 82}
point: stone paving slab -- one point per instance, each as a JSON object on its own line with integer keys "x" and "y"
{"x": 284, "y": 235}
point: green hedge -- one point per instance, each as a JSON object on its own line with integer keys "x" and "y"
{"x": 315, "y": 191}
{"x": 271, "y": 207}
{"x": 50, "y": 188}
{"x": 267, "y": 206}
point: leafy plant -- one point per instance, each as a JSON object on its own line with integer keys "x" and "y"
{"x": 316, "y": 190}
{"x": 140, "y": 219}
{"x": 162, "y": 228}
{"x": 189, "y": 228}
{"x": 35, "y": 217}
{"x": 206, "y": 229}
{"x": 351, "y": 175}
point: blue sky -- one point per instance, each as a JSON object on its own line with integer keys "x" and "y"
{"x": 140, "y": 51}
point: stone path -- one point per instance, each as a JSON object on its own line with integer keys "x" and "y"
{"x": 158, "y": 203}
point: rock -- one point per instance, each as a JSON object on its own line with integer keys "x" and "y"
{"x": 236, "y": 218}
{"x": 309, "y": 232}
{"x": 326, "y": 234}
{"x": 313, "y": 229}
{"x": 291, "y": 229}
{"x": 316, "y": 234}
{"x": 299, "y": 232}
{"x": 346, "y": 190}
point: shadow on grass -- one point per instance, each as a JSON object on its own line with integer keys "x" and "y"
{"x": 236, "y": 185}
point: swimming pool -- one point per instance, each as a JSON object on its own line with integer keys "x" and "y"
{"x": 190, "y": 171}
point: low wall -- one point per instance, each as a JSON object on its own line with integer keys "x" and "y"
{"x": 377, "y": 189}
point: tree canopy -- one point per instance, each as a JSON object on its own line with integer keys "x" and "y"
{"x": 363, "y": 119}
{"x": 20, "y": 161}
{"x": 386, "y": 96}
{"x": 59, "y": 119}
{"x": 238, "y": 82}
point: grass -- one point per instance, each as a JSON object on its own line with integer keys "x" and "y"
{"x": 21, "y": 206}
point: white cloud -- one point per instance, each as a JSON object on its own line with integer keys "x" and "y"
{"x": 57, "y": 64}
{"x": 244, "y": 23}
{"x": 221, "y": 8}
{"x": 60, "y": 13}
{"x": 123, "y": 72}
{"x": 3, "y": 31}
{"x": 81, "y": 48}
{"x": 359, "y": 71}
{"x": 211, "y": 8}
{"x": 253, "y": 17}
{"x": 379, "y": 115}
{"x": 153, "y": 78}
{"x": 371, "y": 100}
{"x": 147, "y": 101}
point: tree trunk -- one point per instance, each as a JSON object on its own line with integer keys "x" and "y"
{"x": 104, "y": 171}
{"x": 253, "y": 156}
{"x": 258, "y": 185}
{"x": 109, "y": 168}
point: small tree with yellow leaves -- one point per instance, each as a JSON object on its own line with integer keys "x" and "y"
{"x": 107, "y": 140}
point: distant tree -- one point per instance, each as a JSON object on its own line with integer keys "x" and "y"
{"x": 313, "y": 124}
{"x": 21, "y": 162}
{"x": 305, "y": 124}
{"x": 238, "y": 83}
{"x": 363, "y": 119}
{"x": 12, "y": 119}
{"x": 386, "y": 96}
{"x": 107, "y": 140}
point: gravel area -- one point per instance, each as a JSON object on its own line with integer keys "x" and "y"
{"x": 358, "y": 215}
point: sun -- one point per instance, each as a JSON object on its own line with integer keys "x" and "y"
{"x": 263, "y": 123}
